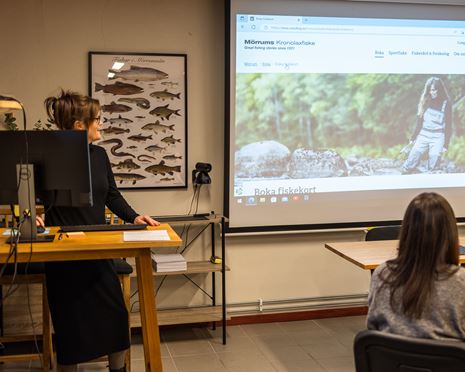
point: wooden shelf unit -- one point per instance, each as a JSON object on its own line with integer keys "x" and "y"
{"x": 213, "y": 313}
{"x": 193, "y": 267}
{"x": 184, "y": 316}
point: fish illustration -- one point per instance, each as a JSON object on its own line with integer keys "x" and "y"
{"x": 132, "y": 147}
{"x": 155, "y": 148}
{"x": 119, "y": 120}
{"x": 115, "y": 107}
{"x": 139, "y": 117}
{"x": 117, "y": 141}
{"x": 139, "y": 74}
{"x": 163, "y": 169}
{"x": 140, "y": 102}
{"x": 134, "y": 177}
{"x": 164, "y": 112}
{"x": 171, "y": 140}
{"x": 119, "y": 88}
{"x": 164, "y": 94}
{"x": 114, "y": 130}
{"x": 140, "y": 138}
{"x": 127, "y": 164}
{"x": 157, "y": 127}
{"x": 118, "y": 144}
{"x": 167, "y": 179}
{"x": 143, "y": 156}
{"x": 170, "y": 84}
{"x": 113, "y": 151}
{"x": 172, "y": 157}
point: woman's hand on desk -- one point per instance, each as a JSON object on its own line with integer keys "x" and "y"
{"x": 146, "y": 219}
{"x": 40, "y": 221}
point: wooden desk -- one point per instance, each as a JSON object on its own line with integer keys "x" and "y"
{"x": 369, "y": 255}
{"x": 104, "y": 245}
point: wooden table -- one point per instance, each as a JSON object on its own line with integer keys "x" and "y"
{"x": 369, "y": 255}
{"x": 104, "y": 245}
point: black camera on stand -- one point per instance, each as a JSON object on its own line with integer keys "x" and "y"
{"x": 200, "y": 174}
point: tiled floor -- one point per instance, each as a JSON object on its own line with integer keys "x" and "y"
{"x": 311, "y": 345}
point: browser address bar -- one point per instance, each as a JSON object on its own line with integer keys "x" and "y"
{"x": 363, "y": 30}
{"x": 304, "y": 28}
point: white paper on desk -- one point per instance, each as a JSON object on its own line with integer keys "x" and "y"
{"x": 141, "y": 236}
{"x": 7, "y": 232}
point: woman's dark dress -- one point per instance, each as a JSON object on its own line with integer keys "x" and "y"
{"x": 86, "y": 302}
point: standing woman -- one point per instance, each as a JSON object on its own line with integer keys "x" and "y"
{"x": 86, "y": 302}
{"x": 420, "y": 292}
{"x": 434, "y": 126}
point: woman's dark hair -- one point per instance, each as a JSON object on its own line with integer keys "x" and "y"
{"x": 69, "y": 107}
{"x": 428, "y": 246}
{"x": 425, "y": 99}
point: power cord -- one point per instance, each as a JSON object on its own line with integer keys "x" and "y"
{"x": 28, "y": 215}
{"x": 28, "y": 262}
{"x": 186, "y": 227}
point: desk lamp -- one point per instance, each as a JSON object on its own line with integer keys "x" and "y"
{"x": 10, "y": 103}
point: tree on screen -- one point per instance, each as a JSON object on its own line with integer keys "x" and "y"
{"x": 360, "y": 114}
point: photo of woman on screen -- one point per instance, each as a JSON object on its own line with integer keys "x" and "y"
{"x": 433, "y": 130}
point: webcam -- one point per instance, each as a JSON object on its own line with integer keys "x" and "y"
{"x": 200, "y": 174}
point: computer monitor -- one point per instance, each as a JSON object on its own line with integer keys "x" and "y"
{"x": 58, "y": 173}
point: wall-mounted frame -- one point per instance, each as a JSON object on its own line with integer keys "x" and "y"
{"x": 144, "y": 116}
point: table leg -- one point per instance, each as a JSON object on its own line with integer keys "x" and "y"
{"x": 223, "y": 273}
{"x": 148, "y": 312}
{"x": 47, "y": 347}
{"x": 213, "y": 274}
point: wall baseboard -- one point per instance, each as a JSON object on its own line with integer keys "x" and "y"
{"x": 280, "y": 317}
{"x": 292, "y": 309}
{"x": 297, "y": 315}
{"x": 287, "y": 310}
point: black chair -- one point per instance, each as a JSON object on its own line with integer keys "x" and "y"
{"x": 376, "y": 351}
{"x": 383, "y": 233}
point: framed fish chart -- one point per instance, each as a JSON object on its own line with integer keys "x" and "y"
{"x": 144, "y": 116}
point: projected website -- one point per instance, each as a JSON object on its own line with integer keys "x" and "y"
{"x": 347, "y": 104}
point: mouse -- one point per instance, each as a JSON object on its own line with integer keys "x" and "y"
{"x": 40, "y": 229}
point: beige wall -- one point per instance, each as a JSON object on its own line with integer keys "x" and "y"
{"x": 45, "y": 48}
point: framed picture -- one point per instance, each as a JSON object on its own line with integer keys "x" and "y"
{"x": 144, "y": 116}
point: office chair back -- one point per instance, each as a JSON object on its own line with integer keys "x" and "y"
{"x": 383, "y": 233}
{"x": 376, "y": 351}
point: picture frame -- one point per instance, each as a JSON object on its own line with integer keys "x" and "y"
{"x": 144, "y": 116}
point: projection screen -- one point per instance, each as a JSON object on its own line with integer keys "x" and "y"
{"x": 340, "y": 112}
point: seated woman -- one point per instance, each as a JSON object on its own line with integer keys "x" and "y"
{"x": 420, "y": 293}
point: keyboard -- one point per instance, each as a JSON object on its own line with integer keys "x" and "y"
{"x": 104, "y": 227}
{"x": 189, "y": 217}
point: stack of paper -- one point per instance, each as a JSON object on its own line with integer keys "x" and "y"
{"x": 168, "y": 262}
{"x": 143, "y": 236}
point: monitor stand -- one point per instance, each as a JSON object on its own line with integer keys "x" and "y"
{"x": 27, "y": 207}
